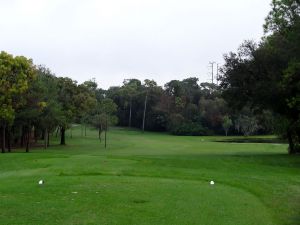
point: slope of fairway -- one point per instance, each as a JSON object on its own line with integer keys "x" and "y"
{"x": 150, "y": 179}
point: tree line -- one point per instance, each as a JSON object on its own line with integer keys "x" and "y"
{"x": 35, "y": 103}
{"x": 184, "y": 108}
{"x": 258, "y": 94}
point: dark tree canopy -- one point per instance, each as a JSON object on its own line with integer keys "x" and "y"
{"x": 267, "y": 75}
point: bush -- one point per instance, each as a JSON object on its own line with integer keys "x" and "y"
{"x": 156, "y": 121}
{"x": 189, "y": 129}
{"x": 297, "y": 148}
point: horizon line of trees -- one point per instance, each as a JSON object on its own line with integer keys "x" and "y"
{"x": 259, "y": 93}
{"x": 35, "y": 103}
{"x": 184, "y": 108}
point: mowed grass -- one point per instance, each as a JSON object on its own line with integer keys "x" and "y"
{"x": 150, "y": 178}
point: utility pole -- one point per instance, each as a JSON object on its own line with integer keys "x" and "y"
{"x": 212, "y": 71}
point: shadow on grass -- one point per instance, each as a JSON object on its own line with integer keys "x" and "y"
{"x": 200, "y": 160}
{"x": 253, "y": 140}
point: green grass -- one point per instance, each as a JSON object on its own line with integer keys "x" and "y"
{"x": 151, "y": 178}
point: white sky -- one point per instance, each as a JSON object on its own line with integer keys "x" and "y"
{"x": 116, "y": 39}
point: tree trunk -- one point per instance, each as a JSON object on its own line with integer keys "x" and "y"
{"x": 43, "y": 135}
{"x": 27, "y": 139}
{"x": 22, "y": 137}
{"x": 85, "y": 130}
{"x": 45, "y": 138}
{"x": 292, "y": 150}
{"x": 48, "y": 139}
{"x": 35, "y": 135}
{"x": 226, "y": 132}
{"x": 298, "y": 135}
{"x": 62, "y": 136}
{"x": 58, "y": 128}
{"x": 130, "y": 105}
{"x": 99, "y": 134}
{"x": 8, "y": 138}
{"x": 3, "y": 139}
{"x": 71, "y": 133}
{"x": 144, "y": 114}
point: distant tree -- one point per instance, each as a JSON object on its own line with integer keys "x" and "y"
{"x": 237, "y": 124}
{"x": 175, "y": 120}
{"x": 103, "y": 117}
{"x": 66, "y": 97}
{"x": 249, "y": 125}
{"x": 149, "y": 86}
{"x": 28, "y": 115}
{"x": 85, "y": 120}
{"x": 267, "y": 121}
{"x": 98, "y": 121}
{"x": 51, "y": 113}
{"x": 84, "y": 99}
{"x": 209, "y": 90}
{"x": 174, "y": 88}
{"x": 191, "y": 89}
{"x": 130, "y": 89}
{"x": 227, "y": 123}
{"x": 212, "y": 111}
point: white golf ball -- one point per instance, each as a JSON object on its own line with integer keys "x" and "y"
{"x": 41, "y": 182}
{"x": 212, "y": 182}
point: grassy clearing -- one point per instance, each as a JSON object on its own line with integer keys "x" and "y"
{"x": 151, "y": 179}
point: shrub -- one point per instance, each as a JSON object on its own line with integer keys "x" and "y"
{"x": 189, "y": 129}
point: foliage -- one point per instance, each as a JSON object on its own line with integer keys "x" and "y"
{"x": 266, "y": 75}
{"x": 15, "y": 75}
{"x": 189, "y": 129}
{"x": 248, "y": 125}
{"x": 227, "y": 123}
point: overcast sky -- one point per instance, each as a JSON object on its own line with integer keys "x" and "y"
{"x": 111, "y": 40}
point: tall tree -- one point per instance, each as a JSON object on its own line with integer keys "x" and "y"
{"x": 262, "y": 74}
{"x": 66, "y": 97}
{"x": 15, "y": 73}
{"x": 130, "y": 89}
{"x": 51, "y": 114}
{"x": 227, "y": 123}
{"x": 103, "y": 117}
{"x": 149, "y": 86}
